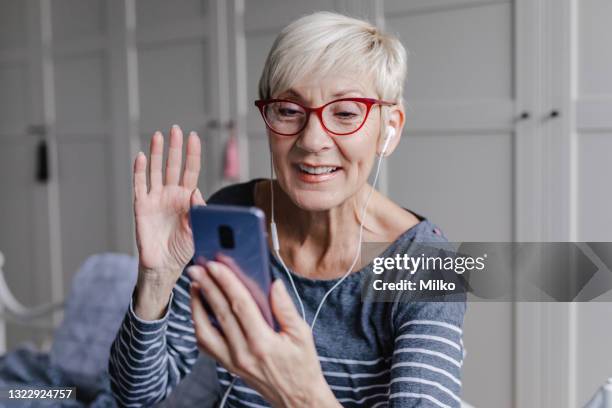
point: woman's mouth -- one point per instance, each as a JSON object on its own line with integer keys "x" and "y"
{"x": 316, "y": 173}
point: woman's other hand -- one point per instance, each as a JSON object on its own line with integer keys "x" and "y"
{"x": 161, "y": 210}
{"x": 283, "y": 367}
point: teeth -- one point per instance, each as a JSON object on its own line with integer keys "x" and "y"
{"x": 316, "y": 170}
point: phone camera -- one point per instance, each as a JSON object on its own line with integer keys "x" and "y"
{"x": 226, "y": 237}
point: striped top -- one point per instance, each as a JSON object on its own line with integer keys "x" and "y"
{"x": 375, "y": 354}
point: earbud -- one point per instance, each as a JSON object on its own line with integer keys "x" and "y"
{"x": 388, "y": 137}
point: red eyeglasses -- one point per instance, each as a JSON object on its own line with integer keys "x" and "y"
{"x": 340, "y": 117}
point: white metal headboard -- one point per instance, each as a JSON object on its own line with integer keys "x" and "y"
{"x": 13, "y": 310}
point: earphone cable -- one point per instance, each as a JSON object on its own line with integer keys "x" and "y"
{"x": 348, "y": 272}
{"x": 227, "y": 392}
{"x": 350, "y": 269}
{"x": 275, "y": 243}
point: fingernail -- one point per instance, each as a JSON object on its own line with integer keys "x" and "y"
{"x": 212, "y": 268}
{"x": 192, "y": 272}
{"x": 192, "y": 133}
{"x": 175, "y": 126}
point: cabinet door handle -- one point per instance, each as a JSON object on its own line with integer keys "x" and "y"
{"x": 213, "y": 124}
{"x": 42, "y": 162}
{"x": 524, "y": 115}
{"x": 554, "y": 113}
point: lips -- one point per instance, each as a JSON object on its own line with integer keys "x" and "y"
{"x": 316, "y": 173}
{"x": 316, "y": 169}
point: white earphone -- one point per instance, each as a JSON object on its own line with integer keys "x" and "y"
{"x": 389, "y": 135}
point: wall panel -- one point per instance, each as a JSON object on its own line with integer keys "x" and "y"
{"x": 13, "y": 24}
{"x": 84, "y": 203}
{"x": 72, "y": 19}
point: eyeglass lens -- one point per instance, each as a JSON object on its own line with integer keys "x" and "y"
{"x": 338, "y": 117}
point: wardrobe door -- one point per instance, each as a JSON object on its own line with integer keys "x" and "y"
{"x": 593, "y": 103}
{"x": 25, "y": 207}
{"x": 80, "y": 106}
{"x": 593, "y": 132}
{"x": 455, "y": 162}
{"x": 56, "y": 146}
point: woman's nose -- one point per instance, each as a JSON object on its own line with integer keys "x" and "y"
{"x": 314, "y": 138}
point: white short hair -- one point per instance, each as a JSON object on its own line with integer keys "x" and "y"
{"x": 324, "y": 42}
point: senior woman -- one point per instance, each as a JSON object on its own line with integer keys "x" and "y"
{"x": 330, "y": 95}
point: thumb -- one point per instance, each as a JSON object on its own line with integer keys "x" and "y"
{"x": 196, "y": 198}
{"x": 283, "y": 308}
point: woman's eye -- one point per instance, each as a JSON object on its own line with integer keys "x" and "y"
{"x": 289, "y": 112}
{"x": 345, "y": 115}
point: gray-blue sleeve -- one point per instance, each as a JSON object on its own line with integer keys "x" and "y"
{"x": 149, "y": 358}
{"x": 428, "y": 355}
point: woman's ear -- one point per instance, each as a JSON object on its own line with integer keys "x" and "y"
{"x": 390, "y": 137}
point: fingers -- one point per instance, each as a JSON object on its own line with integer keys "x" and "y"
{"x": 196, "y": 198}
{"x": 284, "y": 310}
{"x": 155, "y": 166}
{"x": 175, "y": 157}
{"x": 140, "y": 175}
{"x": 193, "y": 161}
{"x": 175, "y": 153}
{"x": 208, "y": 336}
{"x": 256, "y": 292}
{"x": 241, "y": 301}
{"x": 220, "y": 306}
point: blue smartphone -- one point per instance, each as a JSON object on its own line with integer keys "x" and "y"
{"x": 238, "y": 233}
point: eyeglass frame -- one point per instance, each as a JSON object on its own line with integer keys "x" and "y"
{"x": 369, "y": 102}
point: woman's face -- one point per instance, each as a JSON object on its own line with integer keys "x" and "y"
{"x": 352, "y": 156}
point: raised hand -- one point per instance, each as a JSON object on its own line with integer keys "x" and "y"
{"x": 161, "y": 210}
